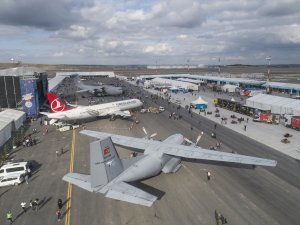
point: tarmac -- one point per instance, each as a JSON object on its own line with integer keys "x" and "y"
{"x": 262, "y": 196}
{"x": 267, "y": 134}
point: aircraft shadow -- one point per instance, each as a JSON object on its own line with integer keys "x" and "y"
{"x": 149, "y": 189}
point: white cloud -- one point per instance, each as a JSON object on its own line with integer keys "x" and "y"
{"x": 133, "y": 31}
{"x": 79, "y": 31}
{"x": 181, "y": 36}
{"x": 58, "y": 54}
{"x": 158, "y": 49}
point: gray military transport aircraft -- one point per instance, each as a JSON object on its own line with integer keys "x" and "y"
{"x": 100, "y": 90}
{"x": 110, "y": 175}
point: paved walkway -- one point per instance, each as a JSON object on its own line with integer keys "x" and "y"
{"x": 268, "y": 134}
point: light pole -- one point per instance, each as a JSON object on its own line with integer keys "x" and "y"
{"x": 269, "y": 66}
{"x": 219, "y": 66}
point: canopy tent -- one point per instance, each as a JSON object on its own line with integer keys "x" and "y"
{"x": 274, "y": 104}
{"x": 17, "y": 117}
{"x": 199, "y": 103}
{"x": 229, "y": 88}
{"x": 5, "y": 131}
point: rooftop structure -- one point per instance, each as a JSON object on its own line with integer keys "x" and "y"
{"x": 274, "y": 104}
{"x": 88, "y": 74}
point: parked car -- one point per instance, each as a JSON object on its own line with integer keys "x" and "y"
{"x": 144, "y": 110}
{"x": 161, "y": 109}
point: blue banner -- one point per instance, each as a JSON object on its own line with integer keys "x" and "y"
{"x": 30, "y": 100}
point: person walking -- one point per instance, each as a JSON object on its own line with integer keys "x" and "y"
{"x": 23, "y": 205}
{"x": 247, "y": 120}
{"x": 58, "y": 214}
{"x": 9, "y": 216}
{"x": 31, "y": 204}
{"x": 215, "y": 126}
{"x": 59, "y": 204}
{"x": 208, "y": 175}
{"x": 36, "y": 204}
{"x": 245, "y": 127}
{"x": 26, "y": 177}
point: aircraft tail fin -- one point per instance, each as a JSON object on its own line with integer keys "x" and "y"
{"x": 57, "y": 105}
{"x": 104, "y": 161}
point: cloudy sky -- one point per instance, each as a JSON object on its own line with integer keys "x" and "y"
{"x": 148, "y": 32}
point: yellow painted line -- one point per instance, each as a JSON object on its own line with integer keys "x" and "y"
{"x": 69, "y": 194}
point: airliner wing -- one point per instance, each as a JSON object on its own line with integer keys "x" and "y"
{"x": 210, "y": 155}
{"x": 124, "y": 141}
{"x": 128, "y": 193}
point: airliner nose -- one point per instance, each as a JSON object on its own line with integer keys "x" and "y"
{"x": 140, "y": 103}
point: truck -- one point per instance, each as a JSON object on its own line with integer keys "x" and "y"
{"x": 291, "y": 121}
{"x": 266, "y": 117}
{"x": 153, "y": 110}
{"x": 63, "y": 126}
{"x": 295, "y": 123}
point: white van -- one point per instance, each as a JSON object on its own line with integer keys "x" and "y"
{"x": 14, "y": 169}
{"x": 15, "y": 179}
{"x": 161, "y": 109}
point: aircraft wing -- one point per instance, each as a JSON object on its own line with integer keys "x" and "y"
{"x": 211, "y": 155}
{"x": 82, "y": 91}
{"x": 124, "y": 141}
{"x": 81, "y": 180}
{"x": 128, "y": 193}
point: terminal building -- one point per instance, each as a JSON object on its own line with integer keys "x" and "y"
{"x": 288, "y": 88}
{"x": 24, "y": 87}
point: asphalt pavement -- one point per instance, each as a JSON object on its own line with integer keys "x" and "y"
{"x": 243, "y": 195}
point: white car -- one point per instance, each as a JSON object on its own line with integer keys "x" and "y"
{"x": 161, "y": 109}
{"x": 12, "y": 180}
{"x": 144, "y": 110}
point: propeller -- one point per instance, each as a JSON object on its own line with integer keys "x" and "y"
{"x": 196, "y": 143}
{"x": 199, "y": 137}
{"x": 147, "y": 136}
{"x": 188, "y": 141}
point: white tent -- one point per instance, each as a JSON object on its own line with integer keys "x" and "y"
{"x": 229, "y": 88}
{"x": 200, "y": 103}
{"x": 275, "y": 104}
{"x": 18, "y": 117}
{"x": 5, "y": 132}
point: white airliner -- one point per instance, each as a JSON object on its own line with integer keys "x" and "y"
{"x": 62, "y": 111}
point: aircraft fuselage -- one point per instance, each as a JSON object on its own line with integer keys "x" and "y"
{"x": 153, "y": 162}
{"x": 84, "y": 112}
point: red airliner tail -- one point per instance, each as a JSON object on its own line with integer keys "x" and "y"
{"x": 56, "y": 104}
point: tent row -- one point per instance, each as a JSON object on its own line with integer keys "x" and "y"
{"x": 10, "y": 120}
{"x": 274, "y": 104}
